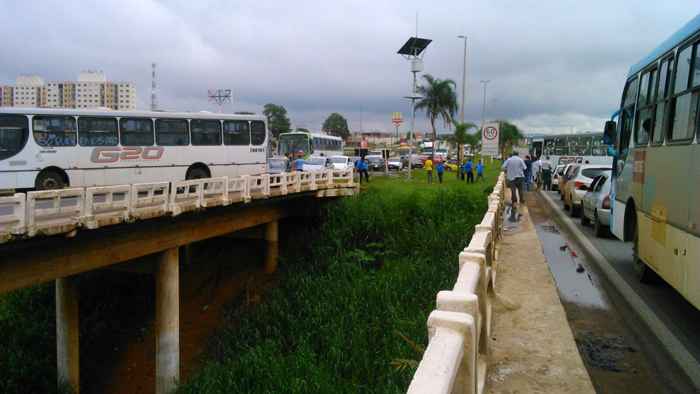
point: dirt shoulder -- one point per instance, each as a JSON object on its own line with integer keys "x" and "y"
{"x": 532, "y": 346}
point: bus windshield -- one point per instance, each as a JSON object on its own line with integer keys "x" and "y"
{"x": 294, "y": 143}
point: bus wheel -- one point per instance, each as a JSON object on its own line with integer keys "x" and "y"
{"x": 643, "y": 272}
{"x": 197, "y": 172}
{"x": 49, "y": 180}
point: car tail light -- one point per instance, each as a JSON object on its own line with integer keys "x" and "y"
{"x": 580, "y": 185}
{"x": 606, "y": 202}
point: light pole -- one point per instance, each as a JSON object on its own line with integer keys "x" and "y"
{"x": 464, "y": 78}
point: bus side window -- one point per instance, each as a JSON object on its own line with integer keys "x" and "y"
{"x": 662, "y": 96}
{"x": 97, "y": 131}
{"x": 136, "y": 131}
{"x": 645, "y": 113}
{"x": 205, "y": 132}
{"x": 54, "y": 130}
{"x": 684, "y": 101}
{"x": 14, "y": 132}
{"x": 236, "y": 132}
{"x": 172, "y": 132}
{"x": 257, "y": 132}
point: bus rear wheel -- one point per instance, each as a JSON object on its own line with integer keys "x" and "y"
{"x": 49, "y": 180}
{"x": 197, "y": 172}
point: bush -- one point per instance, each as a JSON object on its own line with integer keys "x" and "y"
{"x": 353, "y": 297}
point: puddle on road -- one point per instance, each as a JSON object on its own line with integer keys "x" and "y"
{"x": 574, "y": 281}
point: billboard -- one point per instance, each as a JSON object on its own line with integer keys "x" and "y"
{"x": 489, "y": 139}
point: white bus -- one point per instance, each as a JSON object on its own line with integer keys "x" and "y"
{"x": 310, "y": 144}
{"x": 55, "y": 148}
{"x": 656, "y": 188}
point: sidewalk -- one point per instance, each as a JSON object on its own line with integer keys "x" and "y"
{"x": 532, "y": 346}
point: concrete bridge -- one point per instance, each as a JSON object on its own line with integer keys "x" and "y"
{"x": 57, "y": 234}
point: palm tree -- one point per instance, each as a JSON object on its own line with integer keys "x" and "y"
{"x": 439, "y": 101}
{"x": 509, "y": 137}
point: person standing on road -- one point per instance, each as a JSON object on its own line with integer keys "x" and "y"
{"x": 536, "y": 167}
{"x": 299, "y": 162}
{"x": 362, "y": 166}
{"x": 546, "y": 166}
{"x": 428, "y": 165}
{"x": 440, "y": 168}
{"x": 515, "y": 175}
{"x": 468, "y": 169}
{"x": 528, "y": 172}
{"x": 480, "y": 171}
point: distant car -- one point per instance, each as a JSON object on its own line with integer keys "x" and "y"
{"x": 376, "y": 163}
{"x": 558, "y": 170}
{"x": 314, "y": 163}
{"x": 340, "y": 162}
{"x": 596, "y": 204}
{"x": 276, "y": 165}
{"x": 395, "y": 163}
{"x": 579, "y": 179}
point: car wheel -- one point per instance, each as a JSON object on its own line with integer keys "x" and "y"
{"x": 584, "y": 219}
{"x": 573, "y": 210}
{"x": 598, "y": 228}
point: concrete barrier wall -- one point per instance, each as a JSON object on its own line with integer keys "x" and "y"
{"x": 460, "y": 325}
{"x": 62, "y": 211}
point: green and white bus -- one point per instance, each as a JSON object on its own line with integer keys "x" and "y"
{"x": 310, "y": 144}
{"x": 656, "y": 168}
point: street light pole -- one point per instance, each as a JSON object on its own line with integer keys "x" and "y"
{"x": 464, "y": 78}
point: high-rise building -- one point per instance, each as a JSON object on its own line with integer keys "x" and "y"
{"x": 91, "y": 90}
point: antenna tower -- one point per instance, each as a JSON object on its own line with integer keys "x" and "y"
{"x": 154, "y": 103}
{"x": 219, "y": 96}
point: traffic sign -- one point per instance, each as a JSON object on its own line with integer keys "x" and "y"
{"x": 397, "y": 119}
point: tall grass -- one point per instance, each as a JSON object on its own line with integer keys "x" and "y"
{"x": 350, "y": 311}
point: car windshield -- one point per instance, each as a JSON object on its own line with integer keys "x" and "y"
{"x": 339, "y": 160}
{"x": 318, "y": 161}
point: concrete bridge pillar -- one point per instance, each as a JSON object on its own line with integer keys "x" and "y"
{"x": 272, "y": 251}
{"x": 67, "y": 333}
{"x": 167, "y": 321}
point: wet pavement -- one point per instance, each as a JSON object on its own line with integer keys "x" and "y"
{"x": 615, "y": 360}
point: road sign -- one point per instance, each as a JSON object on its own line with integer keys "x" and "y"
{"x": 489, "y": 139}
{"x": 397, "y": 119}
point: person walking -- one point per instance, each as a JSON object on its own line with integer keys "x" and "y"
{"x": 536, "y": 176}
{"x": 528, "y": 172}
{"x": 362, "y": 166}
{"x": 480, "y": 171}
{"x": 546, "y": 173}
{"x": 440, "y": 168}
{"x": 428, "y": 165}
{"x": 468, "y": 168}
{"x": 515, "y": 168}
{"x": 299, "y": 162}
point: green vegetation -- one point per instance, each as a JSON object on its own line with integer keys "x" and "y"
{"x": 336, "y": 124}
{"x": 354, "y": 293}
{"x": 439, "y": 101}
{"x": 277, "y": 120}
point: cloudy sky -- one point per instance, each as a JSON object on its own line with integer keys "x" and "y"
{"x": 554, "y": 65}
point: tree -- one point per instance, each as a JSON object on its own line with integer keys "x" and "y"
{"x": 439, "y": 101}
{"x": 462, "y": 137}
{"x": 277, "y": 120}
{"x": 337, "y": 125}
{"x": 509, "y": 137}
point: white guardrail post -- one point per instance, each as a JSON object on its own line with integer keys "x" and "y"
{"x": 106, "y": 205}
{"x": 149, "y": 200}
{"x": 238, "y": 189}
{"x": 214, "y": 192}
{"x": 278, "y": 184}
{"x": 13, "y": 213}
{"x": 54, "y": 211}
{"x": 259, "y": 186}
{"x": 460, "y": 327}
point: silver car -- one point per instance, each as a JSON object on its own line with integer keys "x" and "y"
{"x": 596, "y": 204}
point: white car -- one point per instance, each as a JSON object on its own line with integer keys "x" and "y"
{"x": 579, "y": 178}
{"x": 340, "y": 162}
{"x": 596, "y": 204}
{"x": 558, "y": 170}
{"x": 314, "y": 163}
{"x": 395, "y": 163}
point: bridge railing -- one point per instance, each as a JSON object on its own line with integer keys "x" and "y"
{"x": 65, "y": 210}
{"x": 460, "y": 326}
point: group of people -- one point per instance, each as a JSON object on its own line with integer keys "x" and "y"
{"x": 521, "y": 174}
{"x": 465, "y": 170}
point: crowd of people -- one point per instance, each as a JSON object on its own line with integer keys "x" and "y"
{"x": 522, "y": 175}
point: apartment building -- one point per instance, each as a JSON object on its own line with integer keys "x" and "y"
{"x": 91, "y": 90}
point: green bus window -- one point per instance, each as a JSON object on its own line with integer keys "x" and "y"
{"x": 682, "y": 70}
{"x": 684, "y": 113}
{"x": 696, "y": 66}
{"x": 630, "y": 93}
{"x": 643, "y": 90}
{"x": 658, "y": 135}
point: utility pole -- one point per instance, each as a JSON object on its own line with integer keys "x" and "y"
{"x": 154, "y": 103}
{"x": 464, "y": 78}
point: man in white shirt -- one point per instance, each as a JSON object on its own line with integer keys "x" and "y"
{"x": 546, "y": 167}
{"x": 514, "y": 168}
{"x": 536, "y": 167}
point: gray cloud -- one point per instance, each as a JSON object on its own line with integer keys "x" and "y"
{"x": 554, "y": 65}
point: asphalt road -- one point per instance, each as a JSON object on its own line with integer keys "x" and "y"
{"x": 670, "y": 307}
